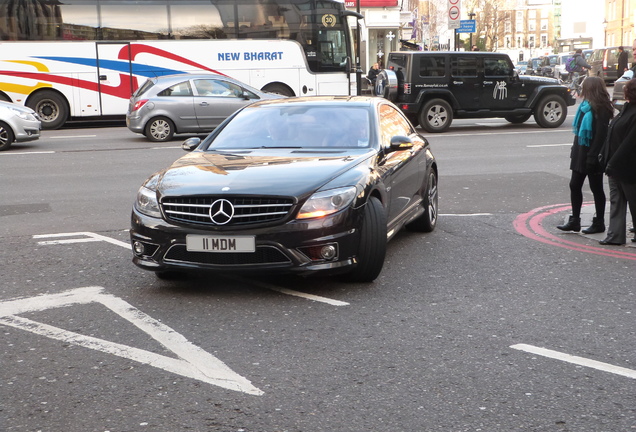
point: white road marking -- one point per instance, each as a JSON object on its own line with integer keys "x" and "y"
{"x": 446, "y": 135}
{"x": 466, "y": 214}
{"x": 581, "y": 361}
{"x": 92, "y": 237}
{"x": 193, "y": 362}
{"x": 72, "y": 136}
{"x": 25, "y": 153}
{"x": 550, "y": 145}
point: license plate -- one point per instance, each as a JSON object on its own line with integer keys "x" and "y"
{"x": 223, "y": 244}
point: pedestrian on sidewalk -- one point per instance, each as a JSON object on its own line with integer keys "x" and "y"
{"x": 590, "y": 129}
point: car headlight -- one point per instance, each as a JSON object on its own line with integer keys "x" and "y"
{"x": 327, "y": 202}
{"x": 25, "y": 115}
{"x": 147, "y": 203}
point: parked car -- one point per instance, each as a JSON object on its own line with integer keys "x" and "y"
{"x": 521, "y": 67}
{"x": 17, "y": 124}
{"x": 604, "y": 62}
{"x": 434, "y": 87}
{"x": 314, "y": 184}
{"x": 559, "y": 65}
{"x": 618, "y": 94}
{"x": 187, "y": 103}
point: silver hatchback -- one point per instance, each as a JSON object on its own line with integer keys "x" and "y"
{"x": 187, "y": 103}
{"x": 17, "y": 124}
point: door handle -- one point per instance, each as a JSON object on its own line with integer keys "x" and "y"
{"x": 204, "y": 104}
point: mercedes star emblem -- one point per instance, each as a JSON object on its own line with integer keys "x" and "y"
{"x": 221, "y": 211}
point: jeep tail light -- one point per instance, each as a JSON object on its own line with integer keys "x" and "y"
{"x": 139, "y": 104}
{"x": 407, "y": 88}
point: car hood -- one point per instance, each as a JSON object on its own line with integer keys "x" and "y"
{"x": 259, "y": 172}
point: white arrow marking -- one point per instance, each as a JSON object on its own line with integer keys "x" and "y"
{"x": 193, "y": 362}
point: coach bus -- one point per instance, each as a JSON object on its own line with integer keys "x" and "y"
{"x": 70, "y": 59}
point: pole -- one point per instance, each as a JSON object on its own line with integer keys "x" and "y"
{"x": 358, "y": 67}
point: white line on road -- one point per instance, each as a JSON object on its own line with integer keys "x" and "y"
{"x": 193, "y": 362}
{"x": 550, "y": 145}
{"x": 25, "y": 153}
{"x": 466, "y": 214}
{"x": 581, "y": 361}
{"x": 72, "y": 136}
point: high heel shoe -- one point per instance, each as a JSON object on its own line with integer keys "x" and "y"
{"x": 573, "y": 224}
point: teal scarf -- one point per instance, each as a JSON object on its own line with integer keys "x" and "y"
{"x": 583, "y": 123}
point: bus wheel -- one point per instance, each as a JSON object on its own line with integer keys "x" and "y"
{"x": 50, "y": 107}
{"x": 159, "y": 129}
{"x": 6, "y": 136}
{"x": 280, "y": 89}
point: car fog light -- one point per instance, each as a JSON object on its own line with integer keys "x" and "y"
{"x": 328, "y": 252}
{"x": 139, "y": 248}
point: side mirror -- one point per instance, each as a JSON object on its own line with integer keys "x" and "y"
{"x": 400, "y": 142}
{"x": 191, "y": 144}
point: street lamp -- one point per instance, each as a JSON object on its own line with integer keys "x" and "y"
{"x": 605, "y": 32}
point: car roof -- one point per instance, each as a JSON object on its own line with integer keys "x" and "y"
{"x": 360, "y": 101}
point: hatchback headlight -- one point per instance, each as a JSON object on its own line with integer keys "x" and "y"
{"x": 25, "y": 115}
{"x": 147, "y": 203}
{"x": 327, "y": 202}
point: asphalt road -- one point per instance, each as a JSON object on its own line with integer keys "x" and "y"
{"x": 494, "y": 322}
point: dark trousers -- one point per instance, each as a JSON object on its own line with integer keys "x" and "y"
{"x": 621, "y": 195}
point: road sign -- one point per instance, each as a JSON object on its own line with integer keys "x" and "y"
{"x": 454, "y": 13}
{"x": 466, "y": 26}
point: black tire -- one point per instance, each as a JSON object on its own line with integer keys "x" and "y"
{"x": 551, "y": 111}
{"x": 159, "y": 129}
{"x": 280, "y": 89}
{"x": 6, "y": 136}
{"x": 428, "y": 221}
{"x": 518, "y": 119}
{"x": 436, "y": 116}
{"x": 372, "y": 248}
{"x": 50, "y": 107}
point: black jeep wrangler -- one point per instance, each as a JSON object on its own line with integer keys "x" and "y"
{"x": 433, "y": 87}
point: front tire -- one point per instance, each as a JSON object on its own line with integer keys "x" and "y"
{"x": 428, "y": 221}
{"x": 551, "y": 112}
{"x": 436, "y": 116}
{"x": 6, "y": 136}
{"x": 372, "y": 248}
{"x": 159, "y": 129}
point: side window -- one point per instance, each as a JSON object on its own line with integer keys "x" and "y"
{"x": 392, "y": 123}
{"x": 432, "y": 66}
{"x": 181, "y": 89}
{"x": 496, "y": 67}
{"x": 218, "y": 88}
{"x": 464, "y": 66}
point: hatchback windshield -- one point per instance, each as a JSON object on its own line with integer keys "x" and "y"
{"x": 295, "y": 127}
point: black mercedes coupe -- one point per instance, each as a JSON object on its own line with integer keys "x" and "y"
{"x": 304, "y": 185}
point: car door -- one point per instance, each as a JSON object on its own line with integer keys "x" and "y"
{"x": 176, "y": 101}
{"x": 465, "y": 83}
{"x": 402, "y": 175}
{"x": 501, "y": 87}
{"x": 215, "y": 100}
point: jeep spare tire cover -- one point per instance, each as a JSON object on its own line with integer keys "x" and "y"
{"x": 386, "y": 85}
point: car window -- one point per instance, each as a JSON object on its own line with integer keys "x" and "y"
{"x": 496, "y": 67}
{"x": 181, "y": 89}
{"x": 432, "y": 66}
{"x": 464, "y": 67}
{"x": 306, "y": 127}
{"x": 219, "y": 88}
{"x": 392, "y": 123}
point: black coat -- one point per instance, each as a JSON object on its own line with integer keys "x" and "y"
{"x": 585, "y": 159}
{"x": 622, "y": 63}
{"x": 619, "y": 149}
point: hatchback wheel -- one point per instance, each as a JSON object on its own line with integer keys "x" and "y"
{"x": 159, "y": 129}
{"x": 6, "y": 136}
{"x": 372, "y": 248}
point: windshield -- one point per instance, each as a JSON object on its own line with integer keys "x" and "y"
{"x": 295, "y": 127}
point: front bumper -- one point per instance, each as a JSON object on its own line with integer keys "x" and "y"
{"x": 292, "y": 247}
{"x": 26, "y": 130}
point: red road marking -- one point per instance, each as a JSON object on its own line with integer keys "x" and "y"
{"x": 530, "y": 225}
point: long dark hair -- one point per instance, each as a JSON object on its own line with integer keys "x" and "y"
{"x": 594, "y": 91}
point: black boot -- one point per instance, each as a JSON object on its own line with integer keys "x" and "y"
{"x": 598, "y": 226}
{"x": 573, "y": 224}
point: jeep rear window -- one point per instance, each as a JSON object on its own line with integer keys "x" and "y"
{"x": 464, "y": 67}
{"x": 432, "y": 66}
{"x": 397, "y": 59}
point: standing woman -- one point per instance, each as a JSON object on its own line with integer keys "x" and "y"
{"x": 590, "y": 129}
{"x": 620, "y": 153}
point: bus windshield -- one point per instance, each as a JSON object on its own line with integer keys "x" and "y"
{"x": 317, "y": 25}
